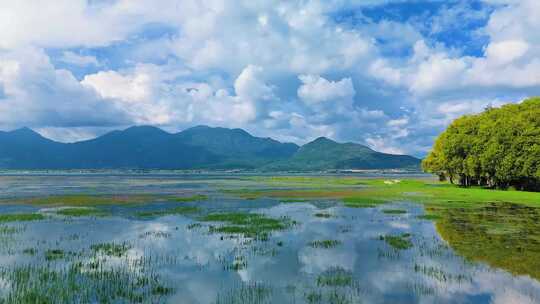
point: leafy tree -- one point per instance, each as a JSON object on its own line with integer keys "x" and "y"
{"x": 498, "y": 148}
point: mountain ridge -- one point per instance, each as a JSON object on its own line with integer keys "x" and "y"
{"x": 199, "y": 147}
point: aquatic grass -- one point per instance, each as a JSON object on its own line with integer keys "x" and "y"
{"x": 239, "y": 263}
{"x": 323, "y": 215}
{"x": 441, "y": 275}
{"x": 155, "y": 234}
{"x": 335, "y": 277}
{"x": 20, "y": 217}
{"x": 111, "y": 249}
{"x": 314, "y": 297}
{"x": 30, "y": 251}
{"x": 194, "y": 226}
{"x": 55, "y": 254}
{"x": 326, "y": 244}
{"x": 246, "y": 293}
{"x": 394, "y": 211}
{"x": 398, "y": 242}
{"x": 80, "y": 282}
{"x": 9, "y": 230}
{"x": 253, "y": 225}
{"x": 294, "y": 200}
{"x": 185, "y": 199}
{"x": 362, "y": 202}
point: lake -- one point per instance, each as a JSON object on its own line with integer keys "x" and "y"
{"x": 246, "y": 239}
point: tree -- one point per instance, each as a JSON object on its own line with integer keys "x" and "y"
{"x": 498, "y": 148}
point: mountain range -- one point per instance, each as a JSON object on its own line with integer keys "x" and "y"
{"x": 201, "y": 147}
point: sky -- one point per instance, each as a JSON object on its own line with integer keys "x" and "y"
{"x": 390, "y": 74}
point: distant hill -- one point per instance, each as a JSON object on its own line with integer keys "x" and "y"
{"x": 200, "y": 147}
{"x": 324, "y": 154}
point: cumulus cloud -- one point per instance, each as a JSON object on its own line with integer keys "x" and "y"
{"x": 38, "y": 95}
{"x": 292, "y": 70}
{"x": 315, "y": 89}
{"x": 78, "y": 60}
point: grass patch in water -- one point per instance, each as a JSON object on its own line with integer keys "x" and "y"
{"x": 185, "y": 199}
{"x": 29, "y": 251}
{"x": 323, "y": 215}
{"x": 80, "y": 282}
{"x": 8, "y": 230}
{"x": 181, "y": 210}
{"x": 253, "y": 225}
{"x": 246, "y": 293}
{"x": 335, "y": 277}
{"x": 398, "y": 242}
{"x": 294, "y": 200}
{"x": 54, "y": 254}
{"x": 394, "y": 211}
{"x": 326, "y": 244}
{"x": 111, "y": 249}
{"x": 313, "y": 297}
{"x": 20, "y": 217}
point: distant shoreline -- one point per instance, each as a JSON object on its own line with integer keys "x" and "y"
{"x": 352, "y": 172}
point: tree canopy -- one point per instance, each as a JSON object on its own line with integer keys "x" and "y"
{"x": 498, "y": 148}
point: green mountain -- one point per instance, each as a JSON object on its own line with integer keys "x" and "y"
{"x": 324, "y": 154}
{"x": 201, "y": 147}
{"x": 238, "y": 148}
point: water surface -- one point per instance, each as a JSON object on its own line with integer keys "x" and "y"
{"x": 327, "y": 253}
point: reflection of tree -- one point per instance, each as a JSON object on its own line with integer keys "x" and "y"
{"x": 504, "y": 235}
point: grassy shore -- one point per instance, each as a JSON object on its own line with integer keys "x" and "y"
{"x": 358, "y": 192}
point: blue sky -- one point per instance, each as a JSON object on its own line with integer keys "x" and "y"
{"x": 388, "y": 74}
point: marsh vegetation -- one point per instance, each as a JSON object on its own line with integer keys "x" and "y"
{"x": 285, "y": 239}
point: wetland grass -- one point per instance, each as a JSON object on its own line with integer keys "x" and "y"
{"x": 335, "y": 277}
{"x": 80, "y": 282}
{"x": 111, "y": 249}
{"x": 398, "y": 242}
{"x": 185, "y": 199}
{"x": 323, "y": 215}
{"x": 325, "y": 244}
{"x": 20, "y": 217}
{"x": 9, "y": 230}
{"x": 55, "y": 254}
{"x": 246, "y": 293}
{"x": 252, "y": 225}
{"x": 394, "y": 211}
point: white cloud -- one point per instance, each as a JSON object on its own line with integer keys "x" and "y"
{"x": 78, "y": 60}
{"x": 316, "y": 89}
{"x": 283, "y": 69}
{"x": 382, "y": 145}
{"x": 250, "y": 85}
{"x": 111, "y": 84}
{"x": 504, "y": 52}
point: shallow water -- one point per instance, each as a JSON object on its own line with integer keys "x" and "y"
{"x": 195, "y": 265}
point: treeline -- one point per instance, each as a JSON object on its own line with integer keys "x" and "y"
{"x": 499, "y": 148}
